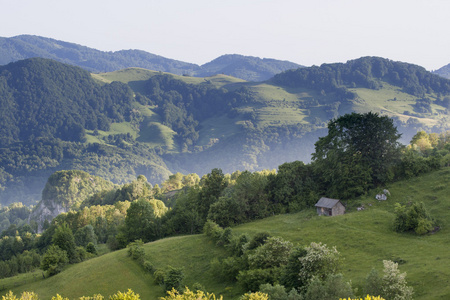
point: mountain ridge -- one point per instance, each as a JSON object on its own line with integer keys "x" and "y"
{"x": 28, "y": 46}
{"x": 443, "y": 71}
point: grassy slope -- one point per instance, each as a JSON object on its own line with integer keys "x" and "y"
{"x": 274, "y": 106}
{"x": 115, "y": 271}
{"x": 363, "y": 238}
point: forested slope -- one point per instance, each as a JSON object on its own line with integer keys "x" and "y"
{"x": 46, "y": 109}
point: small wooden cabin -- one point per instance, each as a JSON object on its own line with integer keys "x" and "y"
{"x": 329, "y": 207}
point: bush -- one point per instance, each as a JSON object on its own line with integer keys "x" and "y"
{"x": 254, "y": 296}
{"x": 275, "y": 292}
{"x": 333, "y": 287}
{"x": 148, "y": 266}
{"x": 373, "y": 283}
{"x": 229, "y": 268}
{"x": 414, "y": 218}
{"x": 225, "y": 237}
{"x": 129, "y": 295}
{"x": 237, "y": 244}
{"x": 274, "y": 253}
{"x": 158, "y": 276}
{"x": 173, "y": 278}
{"x": 394, "y": 285}
{"x": 136, "y": 250}
{"x": 90, "y": 248}
{"x": 81, "y": 254}
{"x": 289, "y": 276}
{"x": 319, "y": 261}
{"x": 24, "y": 296}
{"x": 54, "y": 260}
{"x": 259, "y": 239}
{"x": 189, "y": 295}
{"x": 250, "y": 280}
{"x": 212, "y": 230}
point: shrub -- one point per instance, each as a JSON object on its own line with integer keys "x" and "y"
{"x": 90, "y": 248}
{"x": 254, "y": 296}
{"x": 81, "y": 254}
{"x": 229, "y": 268}
{"x": 173, "y": 278}
{"x": 237, "y": 244}
{"x": 54, "y": 260}
{"x": 289, "y": 276}
{"x": 274, "y": 253}
{"x": 414, "y": 218}
{"x": 259, "y": 239}
{"x": 394, "y": 284}
{"x": 158, "y": 276}
{"x": 368, "y": 297}
{"x": 275, "y": 292}
{"x": 250, "y": 280}
{"x": 373, "y": 283}
{"x": 189, "y": 295}
{"x": 148, "y": 266}
{"x": 95, "y": 297}
{"x": 212, "y": 230}
{"x": 333, "y": 287}
{"x": 129, "y": 295}
{"x": 136, "y": 250}
{"x": 319, "y": 261}
{"x": 24, "y": 296}
{"x": 225, "y": 237}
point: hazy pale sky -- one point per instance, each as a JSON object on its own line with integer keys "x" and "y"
{"x": 305, "y": 32}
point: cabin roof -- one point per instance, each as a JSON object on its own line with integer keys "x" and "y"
{"x": 327, "y": 202}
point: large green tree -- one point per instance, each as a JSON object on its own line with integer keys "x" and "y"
{"x": 140, "y": 222}
{"x": 212, "y": 186}
{"x": 358, "y": 152}
{"x": 64, "y": 239}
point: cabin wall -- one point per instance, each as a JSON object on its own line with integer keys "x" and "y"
{"x": 338, "y": 209}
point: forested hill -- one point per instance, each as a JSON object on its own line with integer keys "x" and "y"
{"x": 245, "y": 67}
{"x": 366, "y": 72}
{"x": 47, "y": 107}
{"x": 44, "y": 98}
{"x": 28, "y": 46}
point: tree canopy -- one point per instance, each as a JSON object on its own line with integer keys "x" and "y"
{"x": 358, "y": 152}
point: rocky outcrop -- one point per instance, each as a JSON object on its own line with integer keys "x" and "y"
{"x": 46, "y": 211}
{"x": 64, "y": 191}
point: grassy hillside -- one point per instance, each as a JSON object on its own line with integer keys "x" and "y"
{"x": 138, "y": 74}
{"x": 364, "y": 238}
{"x": 280, "y": 105}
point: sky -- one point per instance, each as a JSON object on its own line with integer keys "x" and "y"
{"x": 308, "y": 32}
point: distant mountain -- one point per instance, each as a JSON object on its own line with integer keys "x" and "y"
{"x": 246, "y": 67}
{"x": 443, "y": 72}
{"x": 28, "y": 46}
